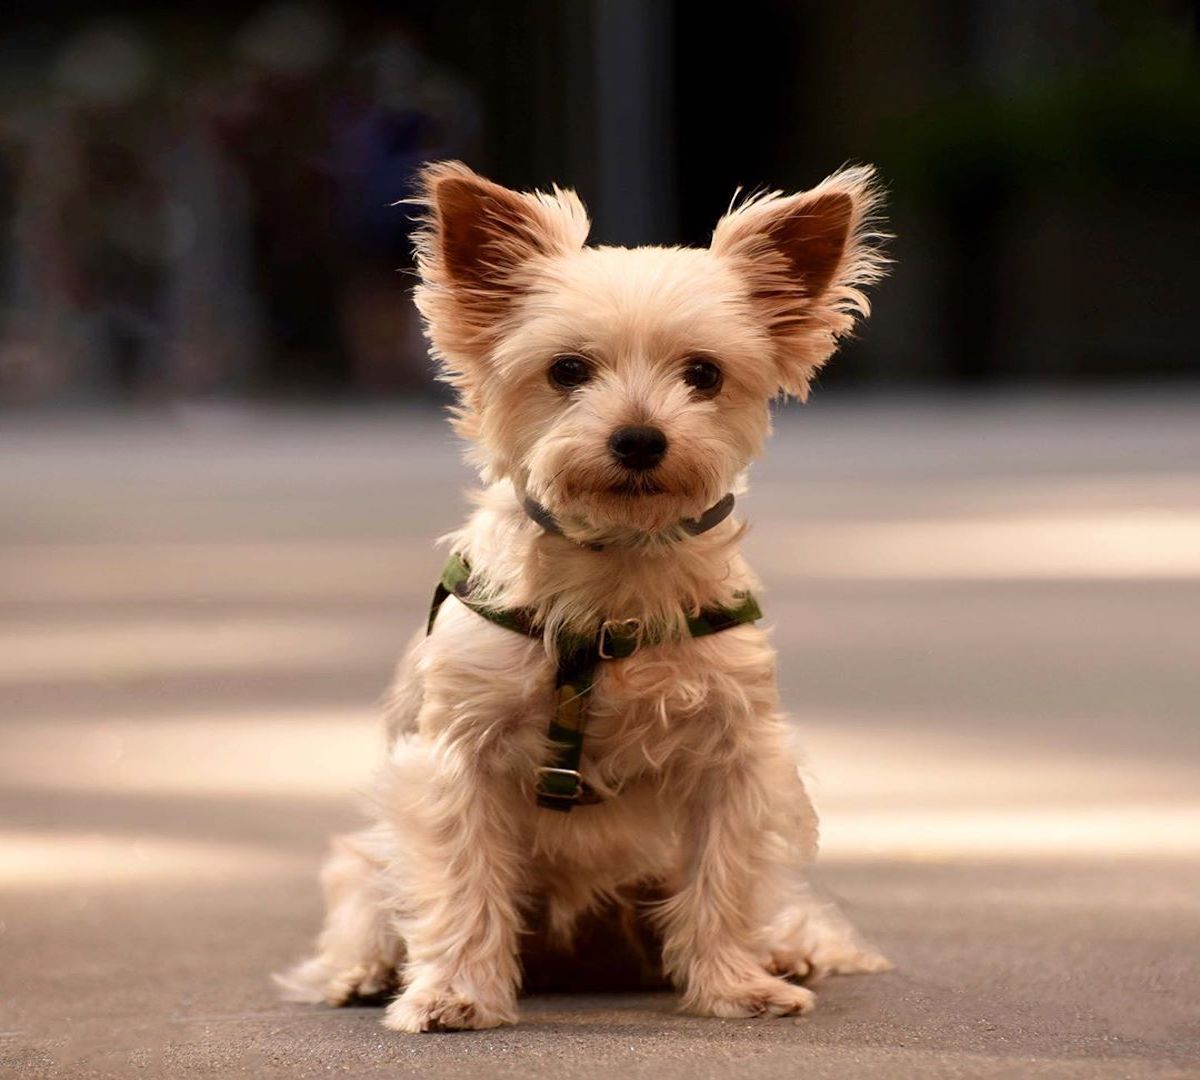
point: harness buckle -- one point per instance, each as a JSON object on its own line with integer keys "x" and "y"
{"x": 608, "y": 628}
{"x": 571, "y": 785}
{"x": 575, "y": 774}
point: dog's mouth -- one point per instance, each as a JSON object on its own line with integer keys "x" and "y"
{"x": 637, "y": 486}
{"x": 645, "y": 503}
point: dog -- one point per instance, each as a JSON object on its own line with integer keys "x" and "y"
{"x": 590, "y": 721}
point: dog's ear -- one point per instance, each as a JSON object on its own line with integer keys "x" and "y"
{"x": 806, "y": 259}
{"x": 476, "y": 249}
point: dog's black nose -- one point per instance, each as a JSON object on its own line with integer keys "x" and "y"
{"x": 638, "y": 446}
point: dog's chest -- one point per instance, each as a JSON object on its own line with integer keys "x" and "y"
{"x": 488, "y": 687}
{"x": 691, "y": 698}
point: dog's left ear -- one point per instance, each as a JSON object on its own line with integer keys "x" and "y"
{"x": 806, "y": 260}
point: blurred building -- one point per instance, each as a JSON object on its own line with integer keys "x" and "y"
{"x": 199, "y": 203}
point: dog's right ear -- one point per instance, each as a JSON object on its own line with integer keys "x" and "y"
{"x": 476, "y": 250}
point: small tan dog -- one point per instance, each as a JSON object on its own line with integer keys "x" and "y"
{"x": 614, "y": 399}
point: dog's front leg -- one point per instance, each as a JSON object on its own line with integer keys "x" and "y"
{"x": 713, "y": 946}
{"x": 457, "y": 824}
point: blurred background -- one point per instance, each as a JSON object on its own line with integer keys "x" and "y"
{"x": 224, "y": 461}
{"x": 198, "y": 203}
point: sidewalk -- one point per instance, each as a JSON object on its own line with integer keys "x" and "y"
{"x": 987, "y": 621}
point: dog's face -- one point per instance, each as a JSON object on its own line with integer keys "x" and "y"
{"x": 626, "y": 389}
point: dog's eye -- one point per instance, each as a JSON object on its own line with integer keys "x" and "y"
{"x": 702, "y": 375}
{"x": 568, "y": 372}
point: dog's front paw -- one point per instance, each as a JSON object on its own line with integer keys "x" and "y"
{"x": 444, "y": 1009}
{"x": 768, "y": 996}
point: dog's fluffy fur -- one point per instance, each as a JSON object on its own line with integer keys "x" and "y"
{"x": 703, "y": 800}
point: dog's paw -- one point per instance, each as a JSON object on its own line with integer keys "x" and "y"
{"x": 364, "y": 983}
{"x": 828, "y": 958}
{"x": 863, "y": 960}
{"x": 766, "y": 997}
{"x": 444, "y": 1009}
{"x": 812, "y": 938}
{"x": 787, "y": 965}
{"x": 314, "y": 982}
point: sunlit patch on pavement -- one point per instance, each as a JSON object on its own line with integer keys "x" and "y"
{"x": 29, "y": 859}
{"x": 1113, "y": 545}
{"x": 317, "y": 753}
{"x": 1036, "y": 831}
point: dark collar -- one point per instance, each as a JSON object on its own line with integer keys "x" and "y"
{"x": 710, "y": 519}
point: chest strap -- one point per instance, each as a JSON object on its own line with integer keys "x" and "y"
{"x": 559, "y": 783}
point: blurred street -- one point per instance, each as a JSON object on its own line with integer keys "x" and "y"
{"x": 988, "y": 617}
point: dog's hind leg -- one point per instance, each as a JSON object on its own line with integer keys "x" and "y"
{"x": 359, "y": 950}
{"x": 807, "y": 935}
{"x": 810, "y": 937}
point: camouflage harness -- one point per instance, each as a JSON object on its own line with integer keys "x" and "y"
{"x": 559, "y": 783}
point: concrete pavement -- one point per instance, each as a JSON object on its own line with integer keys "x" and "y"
{"x": 987, "y": 618}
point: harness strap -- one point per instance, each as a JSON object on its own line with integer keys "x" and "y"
{"x": 560, "y": 786}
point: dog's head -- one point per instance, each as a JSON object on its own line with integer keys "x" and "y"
{"x": 626, "y": 389}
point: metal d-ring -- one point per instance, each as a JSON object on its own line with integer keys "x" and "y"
{"x": 632, "y": 626}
